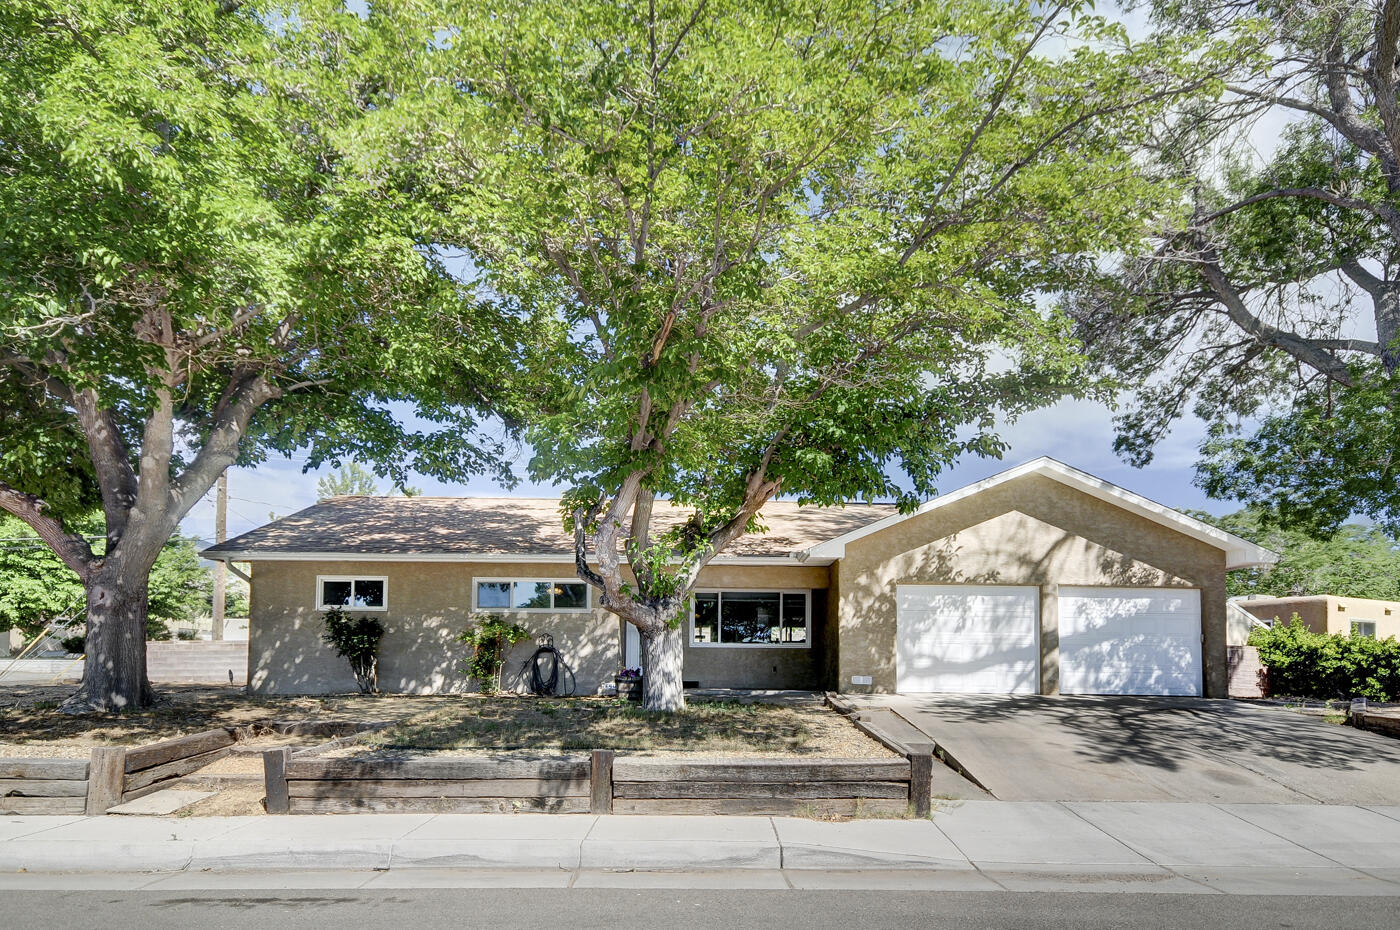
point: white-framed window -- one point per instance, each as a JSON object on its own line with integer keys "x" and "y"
{"x": 541, "y": 595}
{"x": 752, "y": 619}
{"x": 1363, "y": 628}
{"x": 353, "y": 592}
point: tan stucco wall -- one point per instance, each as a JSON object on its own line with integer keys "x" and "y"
{"x": 1029, "y": 531}
{"x": 430, "y": 603}
{"x": 1328, "y": 614}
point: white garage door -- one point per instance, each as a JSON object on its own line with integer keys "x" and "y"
{"x": 1130, "y": 641}
{"x": 968, "y": 638}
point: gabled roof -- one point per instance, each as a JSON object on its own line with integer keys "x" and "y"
{"x": 1239, "y": 552}
{"x": 519, "y": 529}
{"x": 526, "y": 529}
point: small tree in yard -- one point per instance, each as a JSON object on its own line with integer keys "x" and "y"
{"x": 355, "y": 638}
{"x": 186, "y": 284}
{"x": 491, "y": 639}
{"x": 762, "y": 248}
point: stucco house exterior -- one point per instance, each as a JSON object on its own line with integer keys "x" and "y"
{"x": 1325, "y": 613}
{"x": 1041, "y": 579}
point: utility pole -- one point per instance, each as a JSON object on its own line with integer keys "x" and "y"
{"x": 220, "y": 567}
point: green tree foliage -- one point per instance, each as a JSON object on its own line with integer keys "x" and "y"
{"x": 355, "y": 638}
{"x": 351, "y": 480}
{"x": 490, "y": 638}
{"x": 1302, "y": 663}
{"x": 187, "y": 282}
{"x": 1355, "y": 561}
{"x": 1269, "y": 303}
{"x": 761, "y": 248}
{"x": 37, "y": 589}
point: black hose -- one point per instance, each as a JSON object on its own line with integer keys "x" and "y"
{"x": 548, "y": 683}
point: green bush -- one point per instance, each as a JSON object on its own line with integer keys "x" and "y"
{"x": 490, "y": 640}
{"x": 1306, "y": 664}
{"x": 355, "y": 639}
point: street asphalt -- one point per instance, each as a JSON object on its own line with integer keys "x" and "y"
{"x": 330, "y": 908}
{"x": 1094, "y": 748}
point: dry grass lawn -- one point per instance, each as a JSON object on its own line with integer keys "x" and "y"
{"x": 31, "y": 724}
{"x": 473, "y": 724}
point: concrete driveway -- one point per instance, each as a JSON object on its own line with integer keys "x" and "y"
{"x": 1081, "y": 748}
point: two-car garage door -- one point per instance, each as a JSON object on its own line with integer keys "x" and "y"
{"x": 984, "y": 638}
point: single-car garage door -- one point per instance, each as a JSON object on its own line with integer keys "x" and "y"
{"x": 975, "y": 638}
{"x": 1130, "y": 641}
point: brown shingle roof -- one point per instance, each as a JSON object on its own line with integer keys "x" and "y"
{"x": 507, "y": 526}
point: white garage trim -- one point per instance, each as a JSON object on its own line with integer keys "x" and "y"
{"x": 967, "y": 638}
{"x": 1130, "y": 641}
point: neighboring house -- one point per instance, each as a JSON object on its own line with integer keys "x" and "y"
{"x": 1327, "y": 614}
{"x": 1039, "y": 579}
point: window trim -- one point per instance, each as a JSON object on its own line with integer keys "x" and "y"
{"x": 484, "y": 579}
{"x": 1356, "y": 632}
{"x": 320, "y": 591}
{"x": 807, "y": 644}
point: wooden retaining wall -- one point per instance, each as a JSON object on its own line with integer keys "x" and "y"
{"x": 110, "y": 776}
{"x": 601, "y": 783}
{"x": 43, "y": 786}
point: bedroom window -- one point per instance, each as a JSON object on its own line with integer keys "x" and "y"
{"x": 539, "y": 594}
{"x": 352, "y": 592}
{"x": 751, "y": 618}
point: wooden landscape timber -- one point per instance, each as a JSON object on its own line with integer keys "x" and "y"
{"x": 43, "y": 786}
{"x": 604, "y": 782}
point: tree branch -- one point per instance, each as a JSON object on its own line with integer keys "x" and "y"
{"x": 72, "y": 549}
{"x": 1302, "y": 349}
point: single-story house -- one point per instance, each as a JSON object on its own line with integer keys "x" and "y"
{"x": 1041, "y": 579}
{"x": 1325, "y": 613}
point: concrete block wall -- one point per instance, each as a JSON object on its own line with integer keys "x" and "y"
{"x": 197, "y": 662}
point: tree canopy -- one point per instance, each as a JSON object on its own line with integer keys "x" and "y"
{"x": 1358, "y": 560}
{"x": 1268, "y": 304}
{"x": 762, "y": 248}
{"x": 187, "y": 281}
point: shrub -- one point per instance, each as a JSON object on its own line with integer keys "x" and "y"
{"x": 74, "y": 645}
{"x": 1307, "y": 664}
{"x": 355, "y": 639}
{"x": 490, "y": 640}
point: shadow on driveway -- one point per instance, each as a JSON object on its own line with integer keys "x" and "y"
{"x": 1090, "y": 748}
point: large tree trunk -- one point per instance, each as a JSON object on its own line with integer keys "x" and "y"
{"x": 663, "y": 664}
{"x": 114, "y": 675}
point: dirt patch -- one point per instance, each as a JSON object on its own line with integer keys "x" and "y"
{"x": 228, "y": 802}
{"x": 472, "y": 725}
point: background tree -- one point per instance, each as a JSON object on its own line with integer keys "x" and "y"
{"x": 1269, "y": 304}
{"x": 186, "y": 284}
{"x": 761, "y": 248}
{"x": 351, "y": 480}
{"x": 1357, "y": 561}
{"x": 37, "y": 589}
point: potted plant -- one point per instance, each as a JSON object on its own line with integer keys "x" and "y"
{"x": 629, "y": 684}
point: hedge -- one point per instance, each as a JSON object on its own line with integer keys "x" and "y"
{"x": 1319, "y": 665}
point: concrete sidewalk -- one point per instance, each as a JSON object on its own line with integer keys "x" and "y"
{"x": 1098, "y": 846}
